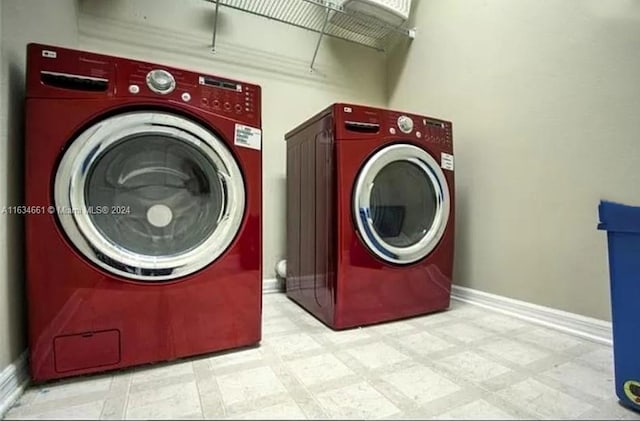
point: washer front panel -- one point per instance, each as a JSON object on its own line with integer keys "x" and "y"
{"x": 149, "y": 196}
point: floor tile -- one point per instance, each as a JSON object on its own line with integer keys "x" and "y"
{"x": 476, "y": 410}
{"x": 292, "y": 344}
{"x": 550, "y": 339}
{"x": 90, "y": 410}
{"x": 114, "y": 408}
{"x": 599, "y": 359}
{"x": 161, "y": 372}
{"x": 464, "y": 331}
{"x": 544, "y": 400}
{"x": 465, "y": 363}
{"x": 359, "y": 401}
{"x": 469, "y": 311}
{"x": 441, "y": 317}
{"x": 249, "y": 384}
{"x": 309, "y": 322}
{"x": 390, "y": 328}
{"x": 283, "y": 411}
{"x": 421, "y": 384}
{"x": 239, "y": 356}
{"x": 500, "y": 323}
{"x": 71, "y": 388}
{"x": 347, "y": 336}
{"x": 583, "y": 378}
{"x": 164, "y": 403}
{"x": 376, "y": 355}
{"x": 515, "y": 351}
{"x": 471, "y": 366}
{"x": 423, "y": 343}
{"x": 271, "y": 311}
{"x": 610, "y": 410}
{"x": 277, "y": 325}
{"x": 321, "y": 368}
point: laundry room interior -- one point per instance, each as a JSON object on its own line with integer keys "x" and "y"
{"x": 319, "y": 209}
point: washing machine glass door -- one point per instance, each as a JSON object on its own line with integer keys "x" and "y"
{"x": 401, "y": 203}
{"x": 150, "y": 196}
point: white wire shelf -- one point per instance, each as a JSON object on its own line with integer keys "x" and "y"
{"x": 324, "y": 17}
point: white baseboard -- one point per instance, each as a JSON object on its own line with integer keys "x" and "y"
{"x": 272, "y": 285}
{"x": 13, "y": 380}
{"x": 585, "y": 327}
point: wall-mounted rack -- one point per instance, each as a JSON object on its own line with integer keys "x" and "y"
{"x": 324, "y": 17}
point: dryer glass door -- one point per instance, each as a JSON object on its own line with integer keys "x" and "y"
{"x": 401, "y": 203}
{"x": 149, "y": 195}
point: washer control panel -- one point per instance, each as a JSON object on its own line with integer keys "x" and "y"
{"x": 64, "y": 73}
{"x": 219, "y": 95}
{"x": 228, "y": 96}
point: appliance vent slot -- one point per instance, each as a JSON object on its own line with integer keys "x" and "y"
{"x": 361, "y": 127}
{"x": 74, "y": 82}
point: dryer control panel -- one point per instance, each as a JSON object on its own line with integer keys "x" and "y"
{"x": 362, "y": 122}
{"x": 419, "y": 127}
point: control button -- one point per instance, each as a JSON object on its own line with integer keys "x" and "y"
{"x": 418, "y": 135}
{"x": 246, "y": 109}
{"x": 186, "y": 97}
{"x": 392, "y": 130}
{"x": 405, "y": 124}
{"x": 160, "y": 81}
{"x": 134, "y": 89}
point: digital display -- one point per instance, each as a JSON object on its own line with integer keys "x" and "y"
{"x": 217, "y": 83}
{"x": 434, "y": 123}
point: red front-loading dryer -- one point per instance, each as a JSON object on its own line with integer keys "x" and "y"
{"x": 143, "y": 200}
{"x": 370, "y": 215}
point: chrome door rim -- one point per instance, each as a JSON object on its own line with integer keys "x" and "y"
{"x": 362, "y": 195}
{"x": 71, "y": 207}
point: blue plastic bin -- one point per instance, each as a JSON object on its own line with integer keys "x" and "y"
{"x": 622, "y": 224}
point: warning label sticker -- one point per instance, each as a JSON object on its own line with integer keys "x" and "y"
{"x": 446, "y": 161}
{"x": 248, "y": 137}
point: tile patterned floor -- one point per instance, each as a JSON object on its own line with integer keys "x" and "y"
{"x": 465, "y": 363}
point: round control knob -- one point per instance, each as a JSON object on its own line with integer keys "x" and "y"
{"x": 405, "y": 124}
{"x": 160, "y": 81}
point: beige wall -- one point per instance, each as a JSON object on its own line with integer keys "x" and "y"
{"x": 23, "y": 21}
{"x": 250, "y": 48}
{"x": 544, "y": 96}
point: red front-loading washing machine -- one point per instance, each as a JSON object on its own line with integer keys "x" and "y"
{"x": 143, "y": 200}
{"x": 370, "y": 215}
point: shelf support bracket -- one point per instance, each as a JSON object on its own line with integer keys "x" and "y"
{"x": 215, "y": 26}
{"x": 322, "y": 32}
